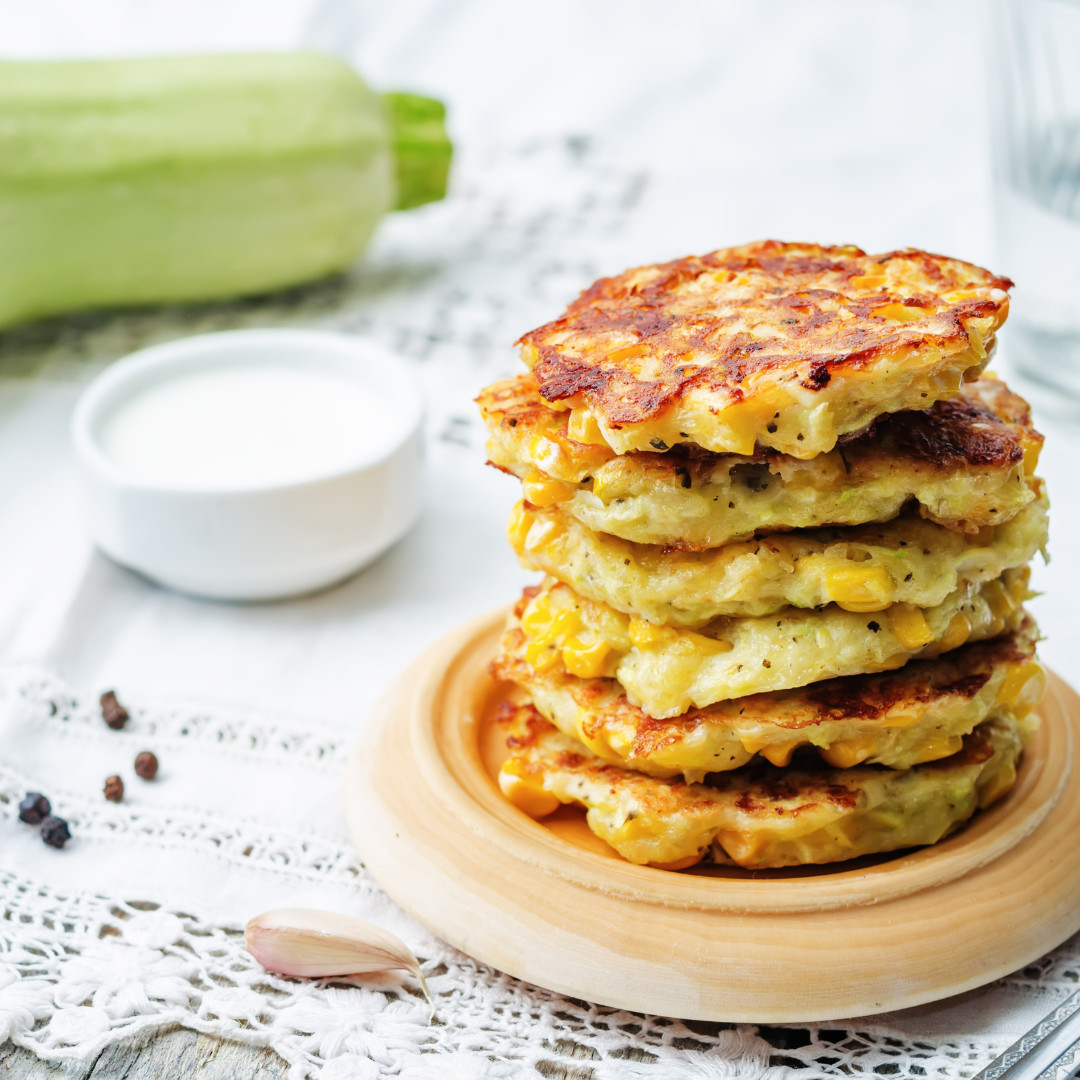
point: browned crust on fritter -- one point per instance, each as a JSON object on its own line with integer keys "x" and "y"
{"x": 527, "y": 594}
{"x": 963, "y": 672}
{"x": 772, "y": 788}
{"x": 986, "y": 425}
{"x": 983, "y": 426}
{"x": 526, "y": 719}
{"x": 806, "y": 310}
{"x": 814, "y": 782}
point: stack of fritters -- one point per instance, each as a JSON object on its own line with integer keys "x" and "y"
{"x": 785, "y": 525}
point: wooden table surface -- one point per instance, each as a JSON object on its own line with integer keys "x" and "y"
{"x": 177, "y": 1052}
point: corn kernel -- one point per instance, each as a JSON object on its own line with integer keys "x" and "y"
{"x": 744, "y": 848}
{"x": 848, "y": 752}
{"x": 644, "y": 634}
{"x": 705, "y": 646}
{"x": 901, "y": 719}
{"x": 1032, "y": 450}
{"x": 583, "y": 428}
{"x": 543, "y": 625}
{"x": 844, "y": 832}
{"x": 537, "y": 618}
{"x": 545, "y": 453}
{"x": 860, "y": 588}
{"x": 517, "y": 528}
{"x": 910, "y": 626}
{"x": 779, "y": 754}
{"x": 544, "y": 491}
{"x": 697, "y": 647}
{"x": 998, "y": 599}
{"x": 868, "y": 281}
{"x": 679, "y": 864}
{"x": 527, "y": 797}
{"x": 558, "y": 630}
{"x": 685, "y": 647}
{"x": 743, "y": 426}
{"x": 619, "y": 355}
{"x": 899, "y": 312}
{"x": 978, "y": 343}
{"x": 585, "y": 661}
{"x": 1023, "y": 688}
{"x": 1018, "y": 585}
{"x": 540, "y": 655}
{"x": 957, "y": 632}
{"x": 563, "y": 625}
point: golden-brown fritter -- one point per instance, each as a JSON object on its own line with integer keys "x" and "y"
{"x": 787, "y": 346}
{"x": 859, "y": 567}
{"x": 759, "y": 817}
{"x": 966, "y": 463}
{"x": 667, "y": 671}
{"x": 900, "y": 719}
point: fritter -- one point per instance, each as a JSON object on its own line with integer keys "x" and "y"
{"x": 787, "y": 346}
{"x": 860, "y": 568}
{"x": 920, "y": 713}
{"x": 966, "y": 463}
{"x": 668, "y": 671}
{"x": 761, "y": 816}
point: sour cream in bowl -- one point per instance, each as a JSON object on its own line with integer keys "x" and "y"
{"x": 252, "y": 464}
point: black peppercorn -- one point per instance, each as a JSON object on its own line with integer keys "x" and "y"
{"x": 35, "y": 808}
{"x": 114, "y": 714}
{"x": 55, "y": 832}
{"x": 146, "y": 765}
{"x": 114, "y": 789}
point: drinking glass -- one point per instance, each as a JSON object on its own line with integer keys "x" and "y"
{"x": 1035, "y": 94}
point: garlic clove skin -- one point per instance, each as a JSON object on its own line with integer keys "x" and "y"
{"x": 313, "y": 944}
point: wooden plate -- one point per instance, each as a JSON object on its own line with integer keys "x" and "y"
{"x": 550, "y": 903}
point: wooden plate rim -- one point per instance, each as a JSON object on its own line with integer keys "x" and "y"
{"x": 433, "y": 829}
{"x": 445, "y": 743}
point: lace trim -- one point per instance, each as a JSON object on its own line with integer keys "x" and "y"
{"x": 80, "y": 970}
{"x": 32, "y": 695}
{"x": 242, "y": 843}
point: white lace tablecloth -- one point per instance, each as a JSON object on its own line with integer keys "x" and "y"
{"x": 590, "y": 140}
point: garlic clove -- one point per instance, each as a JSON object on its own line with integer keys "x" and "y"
{"x": 312, "y": 944}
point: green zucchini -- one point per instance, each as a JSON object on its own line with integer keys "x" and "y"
{"x": 127, "y": 182}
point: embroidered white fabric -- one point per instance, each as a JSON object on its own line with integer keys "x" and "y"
{"x": 81, "y": 969}
{"x": 137, "y": 923}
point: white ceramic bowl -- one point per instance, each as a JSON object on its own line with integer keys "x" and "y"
{"x": 263, "y": 540}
